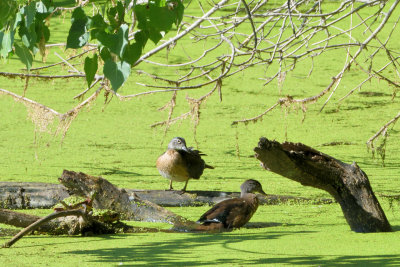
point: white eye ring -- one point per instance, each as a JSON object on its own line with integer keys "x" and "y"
{"x": 179, "y": 141}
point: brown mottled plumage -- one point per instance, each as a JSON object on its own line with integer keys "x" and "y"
{"x": 180, "y": 163}
{"x": 233, "y": 213}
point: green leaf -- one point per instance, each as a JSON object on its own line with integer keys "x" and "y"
{"x": 30, "y": 13}
{"x": 42, "y": 31}
{"x": 24, "y": 55}
{"x": 90, "y": 68}
{"x": 116, "y": 15}
{"x": 16, "y": 21}
{"x": 134, "y": 51}
{"x": 8, "y": 10}
{"x": 28, "y": 36}
{"x": 115, "y": 42}
{"x": 6, "y": 42}
{"x": 41, "y": 7}
{"x": 97, "y": 25}
{"x": 157, "y": 17}
{"x": 116, "y": 72}
{"x": 43, "y": 10}
{"x": 78, "y": 35}
{"x": 105, "y": 53}
{"x": 179, "y": 9}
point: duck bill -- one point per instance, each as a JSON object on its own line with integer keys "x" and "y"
{"x": 262, "y": 192}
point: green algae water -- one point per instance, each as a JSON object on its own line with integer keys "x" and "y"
{"x": 115, "y": 141}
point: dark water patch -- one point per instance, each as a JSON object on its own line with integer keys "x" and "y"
{"x": 338, "y": 143}
{"x": 109, "y": 171}
{"x": 374, "y": 94}
{"x": 256, "y": 225}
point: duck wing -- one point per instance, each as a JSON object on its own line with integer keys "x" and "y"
{"x": 194, "y": 163}
{"x": 232, "y": 213}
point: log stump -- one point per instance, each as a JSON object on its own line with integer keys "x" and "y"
{"x": 347, "y": 183}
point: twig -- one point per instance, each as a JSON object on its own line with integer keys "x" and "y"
{"x": 383, "y": 129}
{"x": 69, "y": 64}
{"x": 23, "y": 75}
{"x": 61, "y": 62}
{"x": 287, "y": 101}
{"x": 246, "y": 7}
{"x": 27, "y": 100}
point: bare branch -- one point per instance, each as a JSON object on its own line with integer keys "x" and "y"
{"x": 24, "y": 75}
{"x": 382, "y": 130}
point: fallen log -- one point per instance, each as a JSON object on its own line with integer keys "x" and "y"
{"x": 347, "y": 184}
{"x": 69, "y": 225}
{"x": 26, "y": 195}
{"x": 107, "y": 196}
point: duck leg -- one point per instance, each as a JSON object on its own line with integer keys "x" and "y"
{"x": 170, "y": 185}
{"x": 184, "y": 188}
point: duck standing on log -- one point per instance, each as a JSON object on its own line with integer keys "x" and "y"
{"x": 235, "y": 212}
{"x": 180, "y": 163}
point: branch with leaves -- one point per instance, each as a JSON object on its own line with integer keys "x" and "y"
{"x": 111, "y": 45}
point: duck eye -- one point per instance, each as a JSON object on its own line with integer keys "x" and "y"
{"x": 179, "y": 141}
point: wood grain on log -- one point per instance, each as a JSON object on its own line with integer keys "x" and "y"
{"x": 347, "y": 183}
{"x": 107, "y": 196}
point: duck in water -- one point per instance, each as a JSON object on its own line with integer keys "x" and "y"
{"x": 235, "y": 212}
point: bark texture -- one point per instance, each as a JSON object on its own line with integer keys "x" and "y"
{"x": 70, "y": 225}
{"x": 106, "y": 196}
{"x": 347, "y": 183}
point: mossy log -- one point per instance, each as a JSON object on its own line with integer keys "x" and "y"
{"x": 71, "y": 225}
{"x": 347, "y": 183}
{"x": 78, "y": 221}
{"x": 107, "y": 196}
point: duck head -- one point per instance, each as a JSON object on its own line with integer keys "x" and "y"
{"x": 178, "y": 143}
{"x": 251, "y": 186}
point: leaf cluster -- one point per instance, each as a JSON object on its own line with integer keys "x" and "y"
{"x": 120, "y": 39}
{"x": 28, "y": 22}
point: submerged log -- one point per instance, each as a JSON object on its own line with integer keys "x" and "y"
{"x": 348, "y": 184}
{"x": 201, "y": 198}
{"x": 26, "y": 195}
{"x": 20, "y": 195}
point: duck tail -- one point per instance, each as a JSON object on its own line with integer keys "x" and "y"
{"x": 192, "y": 227}
{"x": 212, "y": 227}
{"x": 208, "y": 166}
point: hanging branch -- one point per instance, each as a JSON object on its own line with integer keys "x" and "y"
{"x": 284, "y": 35}
{"x": 382, "y": 131}
{"x": 287, "y": 101}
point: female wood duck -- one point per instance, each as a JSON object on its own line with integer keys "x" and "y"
{"x": 180, "y": 163}
{"x": 233, "y": 213}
